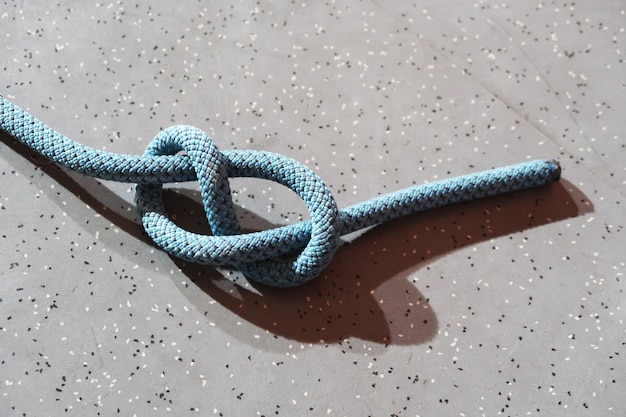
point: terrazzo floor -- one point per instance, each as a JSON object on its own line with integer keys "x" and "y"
{"x": 512, "y": 305}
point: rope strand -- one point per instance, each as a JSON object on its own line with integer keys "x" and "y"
{"x": 284, "y": 256}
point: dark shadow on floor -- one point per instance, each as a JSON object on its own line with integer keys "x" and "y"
{"x": 365, "y": 292}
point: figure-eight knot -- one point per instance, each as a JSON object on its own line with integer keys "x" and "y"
{"x": 283, "y": 256}
{"x": 263, "y": 256}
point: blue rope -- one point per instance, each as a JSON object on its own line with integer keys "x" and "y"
{"x": 284, "y": 256}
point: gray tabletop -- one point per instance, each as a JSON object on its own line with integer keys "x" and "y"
{"x": 512, "y": 305}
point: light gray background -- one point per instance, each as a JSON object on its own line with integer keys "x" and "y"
{"x": 509, "y": 306}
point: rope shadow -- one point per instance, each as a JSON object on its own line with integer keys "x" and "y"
{"x": 364, "y": 293}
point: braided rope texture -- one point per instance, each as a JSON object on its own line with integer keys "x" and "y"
{"x": 280, "y": 257}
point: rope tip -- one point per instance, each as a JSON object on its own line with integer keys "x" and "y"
{"x": 554, "y": 169}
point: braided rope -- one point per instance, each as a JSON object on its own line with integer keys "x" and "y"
{"x": 284, "y": 256}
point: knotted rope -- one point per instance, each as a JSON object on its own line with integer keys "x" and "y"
{"x": 284, "y": 256}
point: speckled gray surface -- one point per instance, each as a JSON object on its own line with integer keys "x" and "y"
{"x": 512, "y": 305}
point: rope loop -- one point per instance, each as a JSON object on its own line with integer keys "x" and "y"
{"x": 268, "y": 257}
